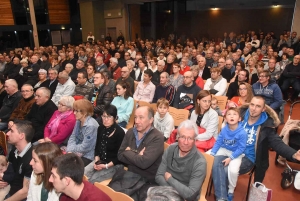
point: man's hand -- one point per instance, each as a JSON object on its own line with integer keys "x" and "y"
{"x": 10, "y": 124}
{"x": 297, "y": 155}
{"x": 127, "y": 149}
{"x": 142, "y": 151}
{"x": 167, "y": 176}
{"x": 3, "y": 184}
{"x": 226, "y": 161}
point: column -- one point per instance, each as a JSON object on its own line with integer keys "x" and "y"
{"x": 296, "y": 18}
{"x": 153, "y": 20}
{"x": 33, "y": 22}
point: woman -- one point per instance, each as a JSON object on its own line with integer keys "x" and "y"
{"x": 252, "y": 70}
{"x": 91, "y": 59}
{"x": 283, "y": 63}
{"x": 62, "y": 62}
{"x": 40, "y": 189}
{"x": 245, "y": 94}
{"x": 124, "y": 103}
{"x": 176, "y": 79}
{"x": 106, "y": 56}
{"x": 153, "y": 64}
{"x": 238, "y": 66}
{"x": 54, "y": 63}
{"x": 216, "y": 84}
{"x": 83, "y": 138}
{"x": 145, "y": 89}
{"x": 132, "y": 51}
{"x": 198, "y": 80}
{"x": 130, "y": 64}
{"x": 90, "y": 72}
{"x": 206, "y": 118}
{"x": 109, "y": 140}
{"x": 62, "y": 122}
{"x": 42, "y": 78}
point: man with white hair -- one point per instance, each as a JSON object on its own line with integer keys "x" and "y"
{"x": 65, "y": 87}
{"x": 204, "y": 71}
{"x": 183, "y": 157}
{"x": 164, "y": 89}
{"x": 79, "y": 68}
{"x": 100, "y": 65}
{"x": 156, "y": 74}
{"x": 10, "y": 102}
{"x": 114, "y": 68}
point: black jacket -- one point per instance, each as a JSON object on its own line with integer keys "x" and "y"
{"x": 206, "y": 73}
{"x": 52, "y": 87}
{"x": 104, "y": 97}
{"x": 8, "y": 106}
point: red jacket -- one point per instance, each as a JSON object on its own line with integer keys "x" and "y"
{"x": 116, "y": 73}
{"x": 199, "y": 81}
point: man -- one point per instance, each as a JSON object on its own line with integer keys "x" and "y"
{"x": 82, "y": 56}
{"x": 204, "y": 72}
{"x": 164, "y": 89}
{"x": 290, "y": 77}
{"x": 292, "y": 41}
{"x": 156, "y": 75}
{"x": 41, "y": 112}
{"x": 142, "y": 146}
{"x": 79, "y": 68}
{"x": 2, "y": 64}
{"x": 184, "y": 65}
{"x": 45, "y": 64}
{"x": 100, "y": 65}
{"x": 52, "y": 82}
{"x": 226, "y": 72}
{"x": 72, "y": 60}
{"x": 268, "y": 40}
{"x": 255, "y": 43}
{"x": 83, "y": 88}
{"x": 10, "y": 102}
{"x": 65, "y": 87}
{"x": 186, "y": 94}
{"x": 118, "y": 56}
{"x": 109, "y": 81}
{"x": 269, "y": 90}
{"x": 125, "y": 76}
{"x": 33, "y": 69}
{"x": 246, "y": 55}
{"x": 194, "y": 57}
{"x": 19, "y": 135}
{"x": 259, "y": 122}
{"x": 274, "y": 73}
{"x": 192, "y": 163}
{"x": 14, "y": 70}
{"x": 67, "y": 178}
{"x": 234, "y": 86}
{"x": 114, "y": 68}
{"x": 216, "y": 58}
{"x": 235, "y": 58}
{"x": 209, "y": 59}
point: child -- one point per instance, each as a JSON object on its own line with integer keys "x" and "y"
{"x": 163, "y": 121}
{"x": 214, "y": 105}
{"x": 231, "y": 143}
{"x": 6, "y": 174}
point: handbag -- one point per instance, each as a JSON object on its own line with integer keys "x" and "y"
{"x": 260, "y": 193}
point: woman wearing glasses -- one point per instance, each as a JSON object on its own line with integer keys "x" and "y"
{"x": 109, "y": 138}
{"x": 245, "y": 94}
{"x": 83, "y": 138}
{"x": 62, "y": 122}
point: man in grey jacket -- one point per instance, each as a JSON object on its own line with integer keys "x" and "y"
{"x": 183, "y": 167}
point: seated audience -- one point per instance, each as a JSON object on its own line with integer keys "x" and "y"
{"x": 207, "y": 118}
{"x": 60, "y": 126}
{"x": 215, "y": 106}
{"x": 3, "y": 92}
{"x": 79, "y": 67}
{"x": 6, "y": 174}
{"x": 183, "y": 167}
{"x": 184, "y": 65}
{"x": 185, "y": 96}
{"x": 31, "y": 72}
{"x": 216, "y": 85}
{"x": 163, "y": 193}
{"x": 176, "y": 79}
{"x": 145, "y": 89}
{"x": 198, "y": 80}
{"x": 10, "y": 102}
{"x": 238, "y": 67}
{"x": 65, "y": 87}
{"x": 233, "y": 87}
{"x": 114, "y": 68}
{"x": 164, "y": 89}
{"x": 42, "y": 157}
{"x": 83, "y": 138}
{"x": 109, "y": 82}
{"x": 139, "y": 72}
{"x": 42, "y": 78}
{"x": 109, "y": 139}
{"x": 252, "y": 61}
{"x": 125, "y": 76}
{"x": 90, "y": 73}
{"x": 204, "y": 72}
{"x": 83, "y": 88}
{"x": 52, "y": 82}
{"x": 99, "y": 65}
{"x": 244, "y": 94}
{"x": 163, "y": 121}
{"x": 67, "y": 178}
{"x": 130, "y": 65}
{"x": 124, "y": 103}
{"x": 41, "y": 112}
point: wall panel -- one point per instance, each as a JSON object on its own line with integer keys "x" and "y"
{"x": 59, "y": 12}
{"x": 6, "y": 14}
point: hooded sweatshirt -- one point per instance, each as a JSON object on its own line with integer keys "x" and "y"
{"x": 234, "y": 141}
{"x": 271, "y": 93}
{"x": 251, "y": 131}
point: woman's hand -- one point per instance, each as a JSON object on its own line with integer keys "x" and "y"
{"x": 99, "y": 167}
{"x": 47, "y": 140}
{"x": 41, "y": 141}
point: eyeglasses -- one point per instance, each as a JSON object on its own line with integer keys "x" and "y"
{"x": 106, "y": 117}
{"x": 60, "y": 104}
{"x": 187, "y": 77}
{"x": 26, "y": 91}
{"x": 183, "y": 138}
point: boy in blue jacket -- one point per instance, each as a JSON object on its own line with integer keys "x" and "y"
{"x": 232, "y": 143}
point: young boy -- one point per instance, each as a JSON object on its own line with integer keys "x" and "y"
{"x": 6, "y": 174}
{"x": 232, "y": 143}
{"x": 214, "y": 105}
{"x": 163, "y": 121}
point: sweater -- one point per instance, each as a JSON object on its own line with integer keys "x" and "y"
{"x": 165, "y": 124}
{"x": 188, "y": 172}
{"x": 221, "y": 86}
{"x": 167, "y": 92}
{"x": 124, "y": 107}
{"x": 83, "y": 90}
{"x": 232, "y": 140}
{"x": 83, "y": 139}
{"x": 180, "y": 102}
{"x": 22, "y": 109}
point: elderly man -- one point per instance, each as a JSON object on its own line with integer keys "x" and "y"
{"x": 65, "y": 87}
{"x": 186, "y": 94}
{"x": 72, "y": 60}
{"x": 184, "y": 65}
{"x": 100, "y": 65}
{"x": 32, "y": 70}
{"x": 183, "y": 167}
{"x": 52, "y": 82}
{"x": 227, "y": 69}
{"x": 274, "y": 73}
{"x": 19, "y": 135}
{"x": 14, "y": 70}
{"x": 125, "y": 76}
{"x": 41, "y": 112}
{"x": 209, "y": 59}
{"x": 45, "y": 64}
{"x": 83, "y": 88}
{"x": 67, "y": 178}
{"x": 204, "y": 72}
{"x": 164, "y": 89}
{"x": 142, "y": 146}
{"x": 114, "y": 68}
{"x": 156, "y": 75}
{"x": 10, "y": 102}
{"x": 79, "y": 68}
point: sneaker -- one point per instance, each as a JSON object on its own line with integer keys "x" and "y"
{"x": 230, "y": 197}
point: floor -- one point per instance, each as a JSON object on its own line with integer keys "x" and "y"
{"x": 273, "y": 176}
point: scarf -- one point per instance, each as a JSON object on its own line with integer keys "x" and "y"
{"x": 106, "y": 132}
{"x": 55, "y": 122}
{"x": 214, "y": 82}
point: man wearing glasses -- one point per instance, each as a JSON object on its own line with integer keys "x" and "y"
{"x": 125, "y": 76}
{"x": 183, "y": 167}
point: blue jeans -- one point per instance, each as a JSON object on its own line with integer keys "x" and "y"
{"x": 122, "y": 124}
{"x": 220, "y": 175}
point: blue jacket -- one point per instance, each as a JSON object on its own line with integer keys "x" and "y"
{"x": 234, "y": 141}
{"x": 271, "y": 93}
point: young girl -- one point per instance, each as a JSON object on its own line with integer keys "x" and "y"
{"x": 6, "y": 175}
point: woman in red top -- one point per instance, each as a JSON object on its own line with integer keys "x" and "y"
{"x": 245, "y": 94}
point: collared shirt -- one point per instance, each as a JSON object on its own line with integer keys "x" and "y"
{"x": 136, "y": 135}
{"x": 144, "y": 93}
{"x": 23, "y": 151}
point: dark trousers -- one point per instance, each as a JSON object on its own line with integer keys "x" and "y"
{"x": 290, "y": 82}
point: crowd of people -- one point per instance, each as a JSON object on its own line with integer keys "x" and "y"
{"x": 66, "y": 113}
